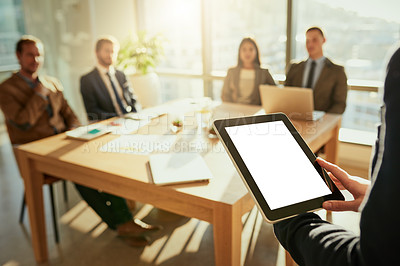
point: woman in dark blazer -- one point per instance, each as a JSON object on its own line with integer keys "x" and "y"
{"x": 242, "y": 82}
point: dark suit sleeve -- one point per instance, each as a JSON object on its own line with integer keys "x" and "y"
{"x": 312, "y": 241}
{"x": 380, "y": 219}
{"x": 290, "y": 75}
{"x": 93, "y": 110}
{"x": 339, "y": 93}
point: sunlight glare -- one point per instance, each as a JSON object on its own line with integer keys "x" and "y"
{"x": 177, "y": 241}
{"x": 11, "y": 263}
{"x": 72, "y": 213}
{"x": 82, "y": 218}
{"x": 195, "y": 241}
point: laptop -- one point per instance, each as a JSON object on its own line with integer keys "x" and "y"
{"x": 297, "y": 103}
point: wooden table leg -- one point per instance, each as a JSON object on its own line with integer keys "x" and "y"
{"x": 332, "y": 155}
{"x": 331, "y": 147}
{"x": 227, "y": 234}
{"x": 33, "y": 181}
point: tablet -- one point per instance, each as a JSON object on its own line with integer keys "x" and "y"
{"x": 278, "y": 168}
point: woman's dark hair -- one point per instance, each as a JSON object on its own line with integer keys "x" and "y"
{"x": 253, "y": 42}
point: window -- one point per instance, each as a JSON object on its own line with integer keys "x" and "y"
{"x": 182, "y": 86}
{"x": 11, "y": 29}
{"x": 209, "y": 32}
{"x": 265, "y": 21}
{"x": 362, "y": 111}
{"x": 360, "y": 36}
{"x": 179, "y": 22}
{"x": 204, "y": 36}
{"x": 359, "y": 33}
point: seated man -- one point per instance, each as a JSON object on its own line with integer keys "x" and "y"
{"x": 34, "y": 108}
{"x": 105, "y": 90}
{"x": 328, "y": 80}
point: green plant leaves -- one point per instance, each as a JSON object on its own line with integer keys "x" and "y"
{"x": 141, "y": 53}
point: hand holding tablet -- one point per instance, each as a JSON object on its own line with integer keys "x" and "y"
{"x": 357, "y": 186}
{"x": 278, "y": 168}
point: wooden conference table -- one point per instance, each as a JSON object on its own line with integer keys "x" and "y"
{"x": 221, "y": 202}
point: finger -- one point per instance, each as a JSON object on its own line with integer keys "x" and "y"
{"x": 337, "y": 182}
{"x": 339, "y": 173}
{"x": 334, "y": 179}
{"x": 337, "y": 205}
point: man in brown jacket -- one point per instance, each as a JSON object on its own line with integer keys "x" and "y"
{"x": 34, "y": 108}
{"x": 328, "y": 80}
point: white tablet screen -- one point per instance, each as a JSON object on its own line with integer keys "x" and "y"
{"x": 278, "y": 165}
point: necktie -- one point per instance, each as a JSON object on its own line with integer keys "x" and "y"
{"x": 121, "y": 106}
{"x": 311, "y": 75}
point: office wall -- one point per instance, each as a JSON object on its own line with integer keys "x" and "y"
{"x": 69, "y": 30}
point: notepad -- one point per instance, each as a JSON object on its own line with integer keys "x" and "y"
{"x": 88, "y": 132}
{"x": 175, "y": 168}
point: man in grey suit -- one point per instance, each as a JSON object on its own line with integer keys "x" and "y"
{"x": 105, "y": 91}
{"x": 328, "y": 80}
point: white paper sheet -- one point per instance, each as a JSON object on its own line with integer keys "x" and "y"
{"x": 123, "y": 126}
{"x": 174, "y": 168}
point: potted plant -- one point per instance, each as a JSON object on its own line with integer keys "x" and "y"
{"x": 138, "y": 56}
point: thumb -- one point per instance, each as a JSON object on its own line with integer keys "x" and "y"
{"x": 338, "y": 205}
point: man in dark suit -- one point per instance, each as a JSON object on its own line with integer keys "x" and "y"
{"x": 327, "y": 79}
{"x": 105, "y": 91}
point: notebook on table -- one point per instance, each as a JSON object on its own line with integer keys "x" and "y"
{"x": 178, "y": 168}
{"x": 88, "y": 132}
{"x": 295, "y": 102}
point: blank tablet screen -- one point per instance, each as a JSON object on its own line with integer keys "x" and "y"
{"x": 278, "y": 165}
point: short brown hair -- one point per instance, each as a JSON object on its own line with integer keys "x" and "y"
{"x": 317, "y": 29}
{"x": 106, "y": 39}
{"x": 28, "y": 39}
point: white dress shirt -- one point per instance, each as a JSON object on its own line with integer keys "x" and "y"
{"x": 246, "y": 85}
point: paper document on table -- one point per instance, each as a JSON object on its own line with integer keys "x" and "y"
{"x": 123, "y": 126}
{"x": 88, "y": 132}
{"x": 144, "y": 115}
{"x": 140, "y": 144}
{"x": 175, "y": 168}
